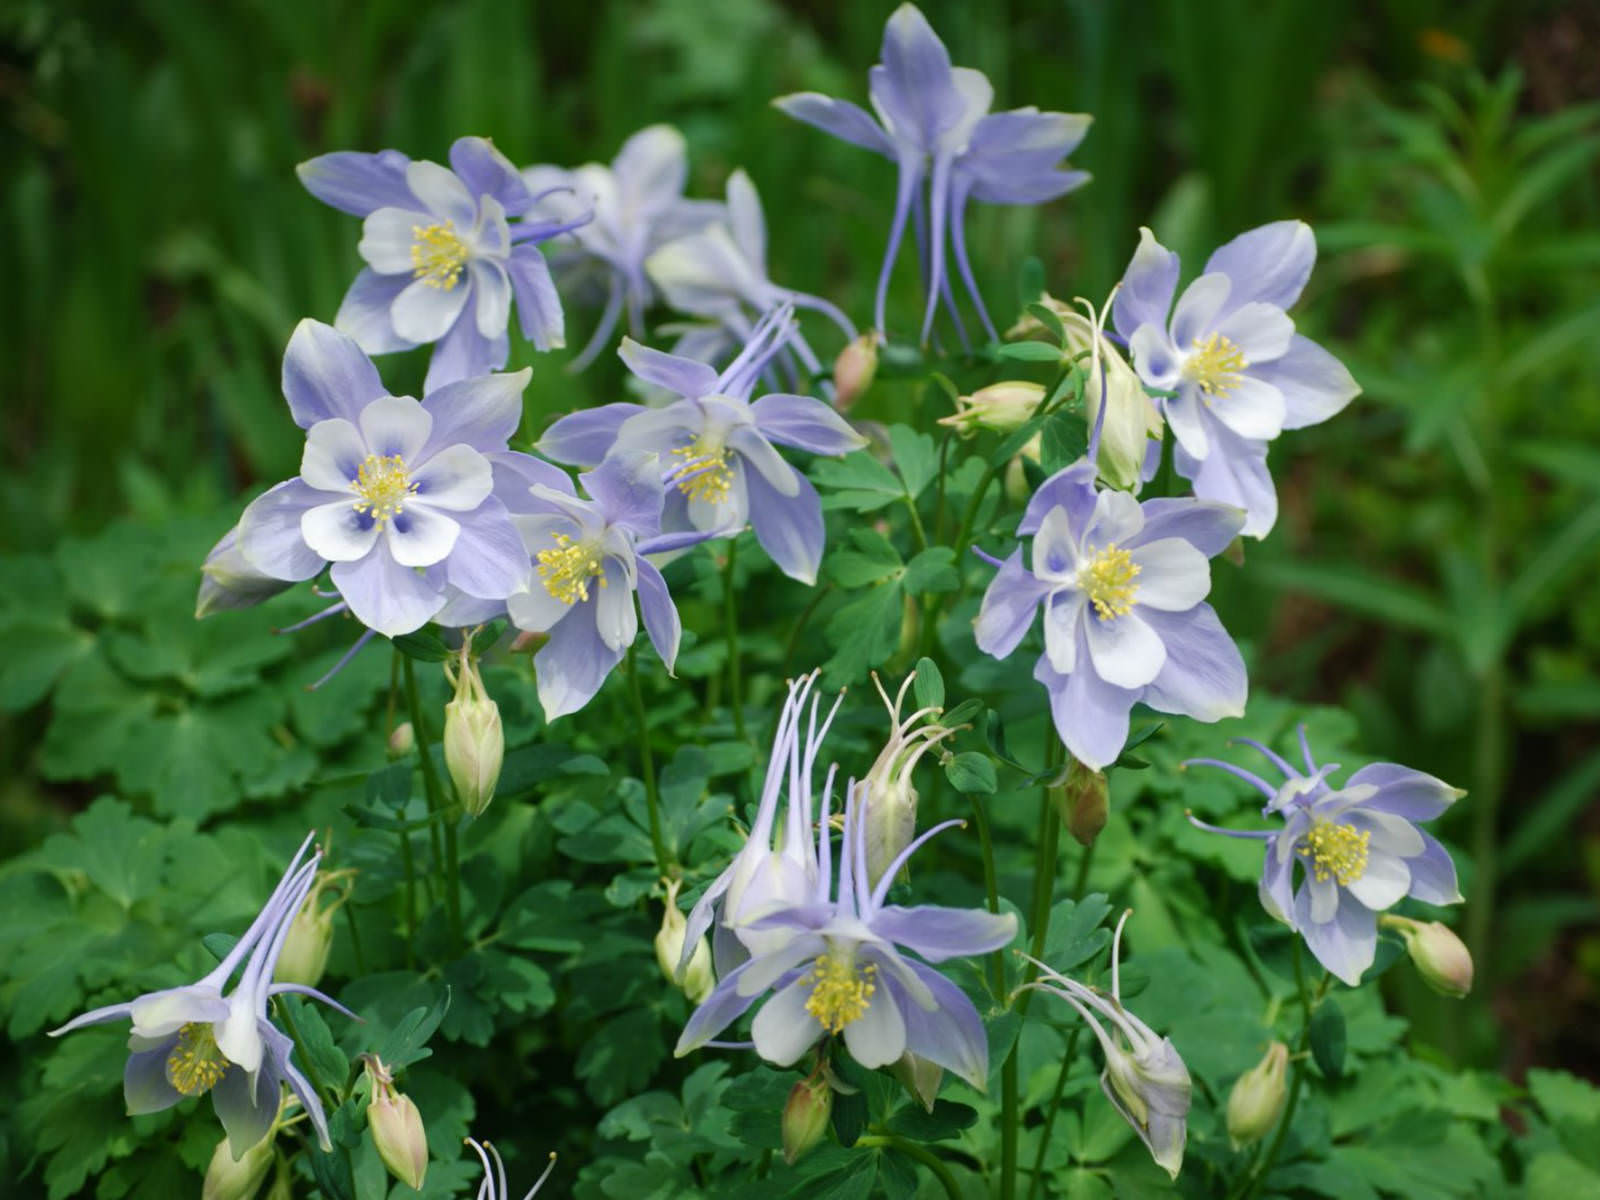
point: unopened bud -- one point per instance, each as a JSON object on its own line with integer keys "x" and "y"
{"x": 396, "y": 1127}
{"x": 402, "y": 740}
{"x": 697, "y": 978}
{"x": 310, "y": 937}
{"x": 1152, "y": 1091}
{"x": 1131, "y": 419}
{"x": 920, "y": 1077}
{"x": 1441, "y": 958}
{"x": 230, "y": 1178}
{"x": 1000, "y": 408}
{"x": 474, "y": 742}
{"x": 805, "y": 1116}
{"x": 1257, "y": 1098}
{"x": 280, "y": 1189}
{"x": 889, "y": 799}
{"x": 1081, "y": 802}
{"x": 855, "y": 369}
{"x": 228, "y": 579}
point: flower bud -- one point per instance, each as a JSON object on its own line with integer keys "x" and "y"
{"x": 280, "y": 1189}
{"x": 1152, "y": 1090}
{"x": 919, "y": 1077}
{"x": 1131, "y": 416}
{"x": 855, "y": 369}
{"x": 396, "y": 1128}
{"x": 698, "y": 978}
{"x": 305, "y": 948}
{"x": 1441, "y": 958}
{"x": 1082, "y": 802}
{"x": 888, "y": 799}
{"x": 805, "y": 1117}
{"x": 1257, "y": 1098}
{"x": 1000, "y": 408}
{"x": 228, "y": 580}
{"x": 474, "y": 742}
{"x": 229, "y": 1178}
{"x": 402, "y": 740}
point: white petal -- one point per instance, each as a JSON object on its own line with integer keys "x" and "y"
{"x": 333, "y": 455}
{"x": 1324, "y": 898}
{"x": 1391, "y": 834}
{"x": 444, "y": 194}
{"x": 338, "y": 532}
{"x": 420, "y": 537}
{"x": 458, "y": 478}
{"x": 424, "y": 313}
{"x": 615, "y": 616}
{"x": 1126, "y": 652}
{"x": 1117, "y": 518}
{"x": 1156, "y": 359}
{"x": 1260, "y": 331}
{"x": 1197, "y": 309}
{"x": 238, "y": 1036}
{"x": 1173, "y": 575}
{"x": 1384, "y": 882}
{"x": 395, "y": 425}
{"x": 491, "y": 286}
{"x": 1055, "y": 546}
{"x": 387, "y": 237}
{"x": 878, "y": 1036}
{"x": 1063, "y": 613}
{"x": 1183, "y": 415}
{"x": 535, "y": 610}
{"x": 1252, "y": 408}
{"x": 783, "y": 1030}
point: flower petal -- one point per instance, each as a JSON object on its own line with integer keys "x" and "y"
{"x": 1414, "y": 795}
{"x": 1345, "y": 945}
{"x": 246, "y": 1104}
{"x": 442, "y": 194}
{"x": 269, "y": 531}
{"x": 1207, "y": 526}
{"x": 846, "y": 121}
{"x": 661, "y": 620}
{"x": 464, "y": 353}
{"x": 951, "y": 1033}
{"x": 421, "y": 536}
{"x": 365, "y": 312}
{"x": 424, "y": 312}
{"x": 396, "y": 425}
{"x": 789, "y": 527}
{"x": 1270, "y": 263}
{"x": 538, "y": 303}
{"x": 1173, "y": 575}
{"x": 339, "y": 532}
{"x": 145, "y": 1086}
{"x": 326, "y": 375}
{"x": 457, "y": 479}
{"x": 1234, "y": 472}
{"x": 1156, "y": 359}
{"x": 585, "y": 438}
{"x": 358, "y": 183}
{"x": 784, "y": 1029}
{"x": 385, "y": 596}
{"x": 1091, "y": 715}
{"x": 628, "y": 491}
{"x": 573, "y": 663}
{"x": 1203, "y": 676}
{"x": 485, "y": 171}
{"x": 489, "y": 560}
{"x": 481, "y": 413}
{"x": 1063, "y": 622}
{"x": 1124, "y": 650}
{"x": 1195, "y": 315}
{"x": 938, "y": 933}
{"x": 332, "y": 457}
{"x": 1315, "y": 384}
{"x": 877, "y": 1037}
{"x": 1433, "y": 874}
{"x": 491, "y": 290}
{"x": 805, "y": 422}
{"x": 387, "y": 238}
{"x": 723, "y": 1007}
{"x": 1260, "y": 331}
{"x": 682, "y": 376}
{"x": 1148, "y": 284}
{"x": 1008, "y": 607}
{"x": 615, "y": 616}
{"x": 1071, "y": 488}
{"x": 1384, "y": 882}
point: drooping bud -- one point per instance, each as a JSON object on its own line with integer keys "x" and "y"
{"x": 310, "y": 937}
{"x": 229, "y": 1178}
{"x": 1081, "y": 800}
{"x": 855, "y": 369}
{"x": 228, "y": 581}
{"x": 698, "y": 978}
{"x": 474, "y": 742}
{"x": 1441, "y": 958}
{"x": 1257, "y": 1098}
{"x": 1132, "y": 418}
{"x": 999, "y": 408}
{"x": 402, "y": 740}
{"x": 805, "y": 1116}
{"x": 888, "y": 798}
{"x": 919, "y": 1077}
{"x": 396, "y": 1127}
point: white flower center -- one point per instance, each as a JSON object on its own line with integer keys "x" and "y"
{"x": 384, "y": 486}
{"x": 437, "y": 255}
{"x": 566, "y": 569}
{"x": 1108, "y": 579}
{"x": 1215, "y": 365}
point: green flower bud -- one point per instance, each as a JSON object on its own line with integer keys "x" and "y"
{"x": 396, "y": 1128}
{"x": 888, "y": 799}
{"x": 310, "y": 937}
{"x": 855, "y": 369}
{"x": 1257, "y": 1098}
{"x": 999, "y": 408}
{"x": 1441, "y": 958}
{"x": 229, "y": 1178}
{"x": 698, "y": 977}
{"x": 474, "y": 742}
{"x": 402, "y": 740}
{"x": 919, "y": 1077}
{"x": 1082, "y": 802}
{"x": 1132, "y": 418}
{"x": 805, "y": 1117}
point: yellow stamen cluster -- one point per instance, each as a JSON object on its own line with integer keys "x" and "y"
{"x": 705, "y": 474}
{"x": 1336, "y": 852}
{"x": 196, "y": 1065}
{"x": 840, "y": 991}
{"x": 437, "y": 255}
{"x": 1215, "y": 365}
{"x": 1108, "y": 579}
{"x": 383, "y": 486}
{"x": 567, "y": 569}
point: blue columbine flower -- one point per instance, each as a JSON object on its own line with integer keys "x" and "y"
{"x": 1122, "y": 585}
{"x": 638, "y": 205}
{"x": 718, "y": 446}
{"x": 933, "y": 122}
{"x": 495, "y": 1185}
{"x": 187, "y": 1041}
{"x": 839, "y": 970}
{"x": 1357, "y": 846}
{"x": 396, "y": 495}
{"x": 443, "y": 257}
{"x": 1237, "y": 371}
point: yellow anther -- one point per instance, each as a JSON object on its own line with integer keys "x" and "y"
{"x": 383, "y": 485}
{"x": 437, "y": 255}
{"x": 840, "y": 991}
{"x": 196, "y": 1065}
{"x": 705, "y": 473}
{"x": 1108, "y": 579}
{"x": 1215, "y": 365}
{"x": 1336, "y": 852}
{"x": 567, "y": 569}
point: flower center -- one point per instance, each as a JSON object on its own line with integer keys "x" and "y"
{"x": 196, "y": 1065}
{"x": 1108, "y": 580}
{"x": 840, "y": 990}
{"x": 1336, "y": 852}
{"x": 437, "y": 254}
{"x": 1215, "y": 365}
{"x": 383, "y": 485}
{"x": 705, "y": 473}
{"x": 567, "y": 569}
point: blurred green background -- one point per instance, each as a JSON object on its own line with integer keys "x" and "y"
{"x": 1432, "y": 570}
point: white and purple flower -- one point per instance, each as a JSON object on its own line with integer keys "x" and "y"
{"x": 444, "y": 258}
{"x": 1237, "y": 372}
{"x": 1122, "y": 586}
{"x": 717, "y": 446}
{"x": 1357, "y": 846}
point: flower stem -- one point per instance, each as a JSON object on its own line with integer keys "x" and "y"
{"x": 647, "y": 766}
{"x": 730, "y": 627}
{"x": 1296, "y": 1077}
{"x": 1055, "y": 1107}
{"x": 922, "y": 1154}
{"x": 437, "y": 809}
{"x": 997, "y": 962}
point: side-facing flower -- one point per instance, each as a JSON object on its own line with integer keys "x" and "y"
{"x": 494, "y": 1185}
{"x": 840, "y": 970}
{"x": 888, "y": 796}
{"x": 1357, "y": 846}
{"x": 588, "y": 563}
{"x": 443, "y": 260}
{"x": 190, "y": 1040}
{"x": 718, "y": 446}
{"x": 395, "y": 494}
{"x": 1144, "y": 1078}
{"x": 1237, "y": 372}
{"x": 1122, "y": 586}
{"x": 637, "y": 204}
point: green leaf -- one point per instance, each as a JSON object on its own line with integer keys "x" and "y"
{"x": 1048, "y": 317}
{"x": 1328, "y": 1038}
{"x": 1031, "y": 352}
{"x": 915, "y": 456}
{"x": 929, "y": 685}
{"x": 972, "y": 773}
{"x": 932, "y": 572}
{"x": 1062, "y": 441}
{"x": 423, "y": 645}
{"x": 947, "y": 1120}
{"x": 872, "y": 560}
{"x": 857, "y": 481}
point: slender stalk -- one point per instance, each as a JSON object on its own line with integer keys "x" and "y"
{"x": 409, "y": 863}
{"x": 818, "y": 595}
{"x": 922, "y": 1154}
{"x": 1055, "y": 1107}
{"x": 964, "y": 532}
{"x": 997, "y": 963}
{"x": 917, "y": 530}
{"x": 1297, "y": 1073}
{"x": 437, "y": 807}
{"x": 647, "y": 765}
{"x": 730, "y": 627}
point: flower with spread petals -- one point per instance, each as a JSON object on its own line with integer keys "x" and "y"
{"x": 1237, "y": 372}
{"x": 1122, "y": 586}
{"x": 1357, "y": 847}
{"x": 444, "y": 258}
{"x": 397, "y": 495}
{"x": 187, "y": 1041}
{"x": 638, "y": 204}
{"x": 841, "y": 970}
{"x": 494, "y": 1185}
{"x": 718, "y": 446}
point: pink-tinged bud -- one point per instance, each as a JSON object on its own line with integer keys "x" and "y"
{"x": 1257, "y": 1098}
{"x": 698, "y": 978}
{"x": 1441, "y": 958}
{"x": 805, "y": 1117}
{"x": 999, "y": 408}
{"x": 396, "y": 1128}
{"x": 1082, "y": 802}
{"x": 474, "y": 741}
{"x": 402, "y": 740}
{"x": 855, "y": 369}
{"x": 919, "y": 1077}
{"x": 229, "y": 1178}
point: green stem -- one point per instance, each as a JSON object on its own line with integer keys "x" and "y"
{"x": 818, "y": 595}
{"x": 921, "y": 1153}
{"x": 964, "y": 533}
{"x": 997, "y": 962}
{"x": 1489, "y": 748}
{"x": 1296, "y": 1077}
{"x": 917, "y": 530}
{"x": 730, "y": 626}
{"x": 409, "y": 862}
{"x": 1055, "y": 1107}
{"x": 647, "y": 763}
{"x": 437, "y": 808}
{"x": 938, "y": 496}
